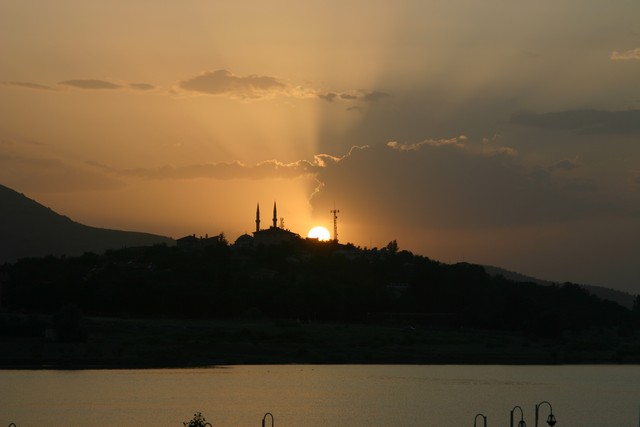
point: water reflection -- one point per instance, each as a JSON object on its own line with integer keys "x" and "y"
{"x": 314, "y": 396}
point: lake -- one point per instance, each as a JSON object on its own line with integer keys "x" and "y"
{"x": 322, "y": 395}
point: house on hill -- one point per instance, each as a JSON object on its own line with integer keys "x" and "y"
{"x": 192, "y": 242}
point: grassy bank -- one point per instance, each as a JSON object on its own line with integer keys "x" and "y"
{"x": 148, "y": 343}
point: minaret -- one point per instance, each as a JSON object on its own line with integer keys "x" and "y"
{"x": 258, "y": 217}
{"x": 275, "y": 216}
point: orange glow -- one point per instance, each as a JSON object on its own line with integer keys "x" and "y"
{"x": 319, "y": 233}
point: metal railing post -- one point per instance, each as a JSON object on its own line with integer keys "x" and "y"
{"x": 265, "y": 418}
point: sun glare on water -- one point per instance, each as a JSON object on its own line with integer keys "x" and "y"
{"x": 319, "y": 233}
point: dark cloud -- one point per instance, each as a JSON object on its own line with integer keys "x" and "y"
{"x": 457, "y": 141}
{"x": 90, "y": 84}
{"x": 584, "y": 121}
{"x": 448, "y": 183}
{"x": 223, "y": 82}
{"x": 436, "y": 183}
{"x": 29, "y": 85}
{"x": 565, "y": 165}
{"x": 374, "y": 96}
{"x": 141, "y": 86}
{"x": 348, "y": 96}
{"x": 580, "y": 185}
{"x": 329, "y": 96}
{"x": 367, "y": 96}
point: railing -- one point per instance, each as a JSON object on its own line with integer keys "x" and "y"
{"x": 551, "y": 419}
{"x": 264, "y": 419}
{"x": 484, "y": 420}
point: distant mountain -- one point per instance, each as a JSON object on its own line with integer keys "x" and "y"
{"x": 622, "y": 298}
{"x": 28, "y": 229}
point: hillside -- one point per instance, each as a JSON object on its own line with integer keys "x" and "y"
{"x": 29, "y": 229}
{"x": 296, "y": 302}
{"x": 623, "y": 298}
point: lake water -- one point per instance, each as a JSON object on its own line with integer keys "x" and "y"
{"x": 322, "y": 395}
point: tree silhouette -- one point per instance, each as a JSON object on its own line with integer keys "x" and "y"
{"x": 306, "y": 281}
{"x": 197, "y": 421}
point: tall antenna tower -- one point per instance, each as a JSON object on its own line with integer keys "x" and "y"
{"x": 335, "y": 223}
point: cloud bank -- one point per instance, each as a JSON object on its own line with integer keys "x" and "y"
{"x": 230, "y": 170}
{"x": 223, "y": 82}
{"x": 626, "y": 55}
{"x": 455, "y": 183}
{"x": 363, "y": 95}
{"x": 90, "y": 84}
{"x": 448, "y": 183}
{"x": 566, "y": 165}
{"x": 29, "y": 85}
{"x": 584, "y": 121}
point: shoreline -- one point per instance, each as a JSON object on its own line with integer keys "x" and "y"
{"x": 115, "y": 343}
{"x": 29, "y": 368}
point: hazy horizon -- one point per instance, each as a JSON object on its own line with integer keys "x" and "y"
{"x": 494, "y": 133}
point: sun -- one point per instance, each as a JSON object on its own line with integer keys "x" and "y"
{"x": 319, "y": 233}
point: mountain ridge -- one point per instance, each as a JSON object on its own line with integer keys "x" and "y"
{"x": 29, "y": 229}
{"x": 623, "y": 298}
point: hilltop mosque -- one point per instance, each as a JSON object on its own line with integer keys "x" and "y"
{"x": 269, "y": 236}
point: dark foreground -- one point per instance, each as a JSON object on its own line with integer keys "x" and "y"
{"x": 158, "y": 343}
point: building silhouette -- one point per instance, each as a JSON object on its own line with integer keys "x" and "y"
{"x": 191, "y": 242}
{"x": 270, "y": 236}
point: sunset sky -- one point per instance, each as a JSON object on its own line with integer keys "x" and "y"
{"x": 495, "y": 132}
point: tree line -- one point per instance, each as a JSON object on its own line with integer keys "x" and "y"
{"x": 306, "y": 281}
